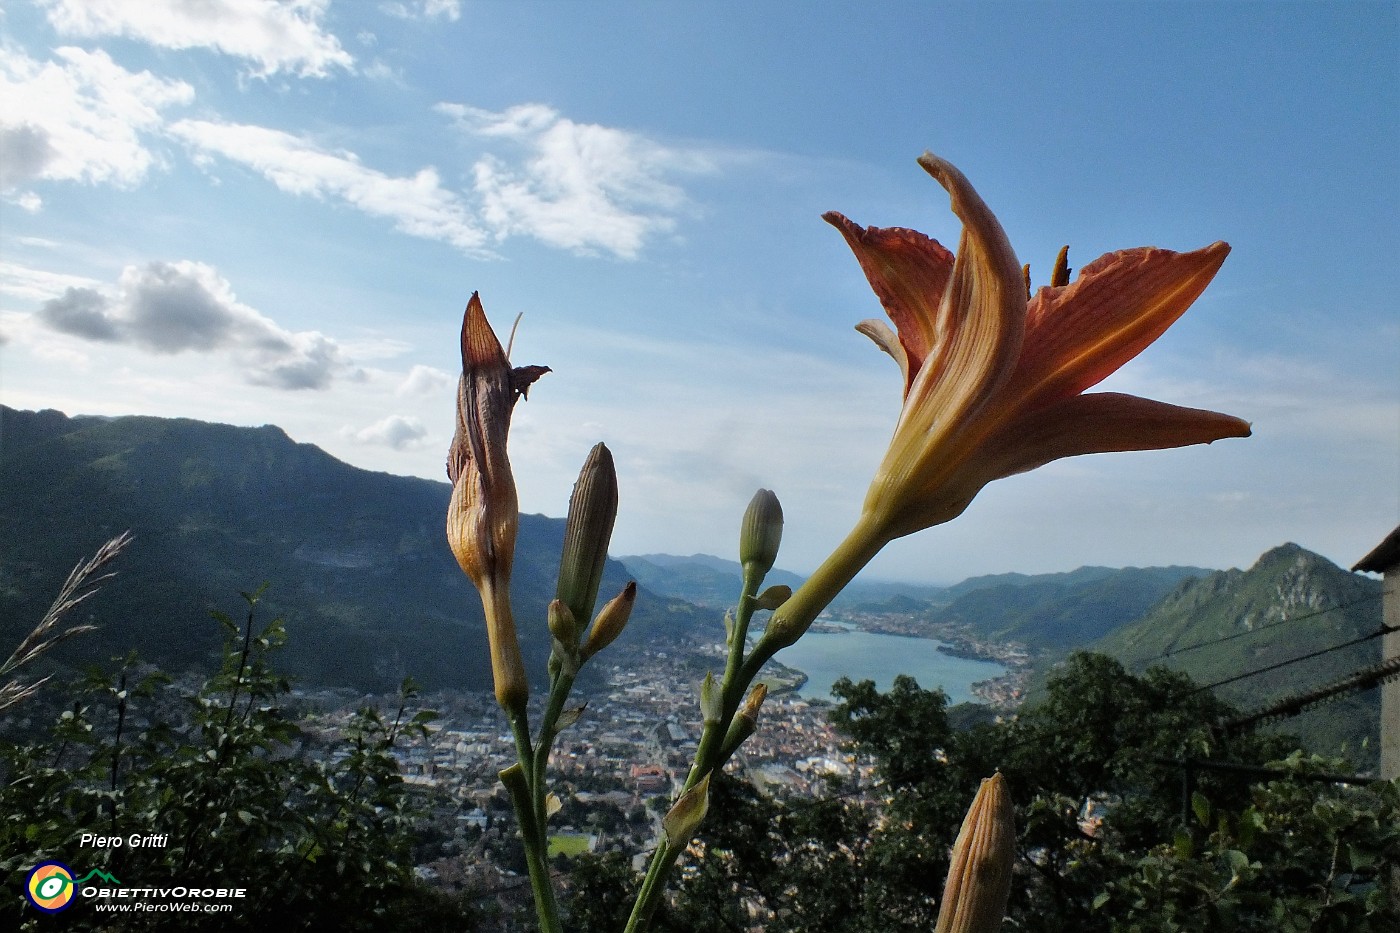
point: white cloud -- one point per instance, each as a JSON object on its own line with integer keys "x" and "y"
{"x": 424, "y": 9}
{"x": 424, "y": 380}
{"x": 171, "y": 308}
{"x": 277, "y": 35}
{"x": 81, "y": 118}
{"x": 581, "y": 186}
{"x": 418, "y": 205}
{"x": 396, "y": 431}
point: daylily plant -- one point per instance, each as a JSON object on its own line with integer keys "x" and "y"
{"x": 994, "y": 378}
{"x": 994, "y": 384}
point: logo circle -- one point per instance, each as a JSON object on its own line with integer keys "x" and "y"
{"x": 50, "y": 887}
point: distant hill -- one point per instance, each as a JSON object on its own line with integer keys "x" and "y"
{"x": 1070, "y": 578}
{"x": 1063, "y": 610}
{"x": 702, "y": 579}
{"x": 357, "y": 561}
{"x": 1045, "y": 611}
{"x": 712, "y": 581}
{"x": 1291, "y": 602}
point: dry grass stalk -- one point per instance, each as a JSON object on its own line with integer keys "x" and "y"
{"x": 81, "y": 583}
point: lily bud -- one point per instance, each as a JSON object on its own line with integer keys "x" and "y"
{"x": 979, "y": 879}
{"x": 611, "y": 620}
{"x": 562, "y": 624}
{"x": 761, "y": 533}
{"x": 752, "y": 703}
{"x": 592, "y": 511}
{"x": 745, "y": 723}
{"x": 483, "y": 515}
{"x": 711, "y": 700}
{"x": 686, "y": 815}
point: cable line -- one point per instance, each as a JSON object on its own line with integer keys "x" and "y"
{"x": 1384, "y": 629}
{"x": 1363, "y": 679}
{"x": 1263, "y": 628}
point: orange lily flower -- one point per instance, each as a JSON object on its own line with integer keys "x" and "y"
{"x": 994, "y": 378}
{"x": 994, "y": 383}
{"x": 483, "y": 516}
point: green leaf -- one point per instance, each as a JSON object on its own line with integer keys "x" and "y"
{"x": 1201, "y": 807}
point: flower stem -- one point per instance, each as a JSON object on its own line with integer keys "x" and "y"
{"x": 788, "y": 623}
{"x": 792, "y": 619}
{"x": 517, "y": 779}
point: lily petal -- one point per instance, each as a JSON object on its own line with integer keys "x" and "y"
{"x": 1078, "y": 335}
{"x": 980, "y": 323}
{"x": 984, "y": 296}
{"x": 887, "y": 340}
{"x": 1100, "y": 422}
{"x": 909, "y": 273}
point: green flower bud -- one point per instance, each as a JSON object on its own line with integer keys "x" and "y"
{"x": 592, "y": 510}
{"x": 761, "y": 533}
{"x": 684, "y": 818}
{"x": 562, "y": 624}
{"x": 711, "y": 700}
{"x": 611, "y": 620}
{"x": 745, "y": 723}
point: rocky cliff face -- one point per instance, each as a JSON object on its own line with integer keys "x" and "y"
{"x": 1289, "y": 603}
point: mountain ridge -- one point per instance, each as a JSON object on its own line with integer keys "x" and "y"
{"x": 357, "y": 560}
{"x": 1289, "y": 603}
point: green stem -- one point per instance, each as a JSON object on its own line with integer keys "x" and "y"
{"x": 559, "y": 693}
{"x": 707, "y": 755}
{"x": 792, "y": 619}
{"x": 787, "y": 624}
{"x": 517, "y": 780}
{"x": 536, "y": 856}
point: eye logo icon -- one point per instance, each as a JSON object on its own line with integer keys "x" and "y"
{"x": 50, "y": 887}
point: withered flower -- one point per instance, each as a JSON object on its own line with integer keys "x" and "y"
{"x": 484, "y": 514}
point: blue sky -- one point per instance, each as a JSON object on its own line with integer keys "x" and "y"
{"x": 274, "y": 212}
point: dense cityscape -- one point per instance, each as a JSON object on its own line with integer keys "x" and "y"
{"x": 621, "y": 764}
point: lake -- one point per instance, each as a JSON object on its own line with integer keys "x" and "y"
{"x": 826, "y": 657}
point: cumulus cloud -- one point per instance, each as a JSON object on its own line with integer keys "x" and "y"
{"x": 418, "y": 205}
{"x": 185, "y": 306}
{"x": 80, "y": 117}
{"x": 81, "y": 312}
{"x": 580, "y": 186}
{"x": 395, "y": 431}
{"x": 424, "y": 380}
{"x": 24, "y": 151}
{"x": 275, "y": 35}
